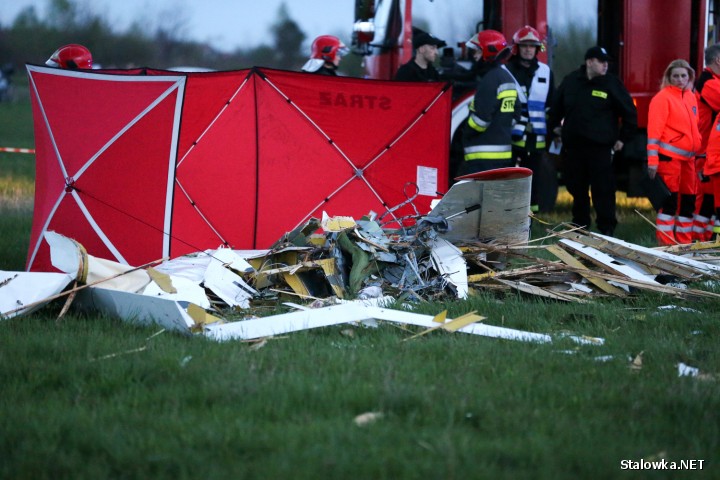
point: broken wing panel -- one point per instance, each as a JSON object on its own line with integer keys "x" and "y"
{"x": 26, "y": 288}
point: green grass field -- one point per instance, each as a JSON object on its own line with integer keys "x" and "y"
{"x": 90, "y": 397}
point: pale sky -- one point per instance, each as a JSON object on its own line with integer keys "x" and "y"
{"x": 231, "y": 24}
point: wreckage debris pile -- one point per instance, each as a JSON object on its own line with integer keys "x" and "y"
{"x": 360, "y": 260}
{"x": 418, "y": 264}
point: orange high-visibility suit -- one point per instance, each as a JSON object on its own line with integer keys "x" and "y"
{"x": 673, "y": 140}
{"x": 707, "y": 91}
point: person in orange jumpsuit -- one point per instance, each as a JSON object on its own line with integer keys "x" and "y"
{"x": 673, "y": 140}
{"x": 711, "y": 169}
{"x": 707, "y": 91}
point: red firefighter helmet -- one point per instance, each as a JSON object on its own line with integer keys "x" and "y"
{"x": 328, "y": 47}
{"x": 527, "y": 35}
{"x": 72, "y": 56}
{"x": 491, "y": 43}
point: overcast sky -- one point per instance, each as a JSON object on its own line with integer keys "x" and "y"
{"x": 231, "y": 24}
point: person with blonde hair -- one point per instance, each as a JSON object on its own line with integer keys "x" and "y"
{"x": 673, "y": 140}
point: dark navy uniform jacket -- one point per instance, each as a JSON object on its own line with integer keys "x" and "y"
{"x": 598, "y": 110}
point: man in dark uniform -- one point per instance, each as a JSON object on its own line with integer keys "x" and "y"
{"x": 589, "y": 102}
{"x": 421, "y": 68}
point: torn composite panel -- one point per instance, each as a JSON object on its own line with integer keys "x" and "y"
{"x": 18, "y": 289}
{"x": 174, "y": 163}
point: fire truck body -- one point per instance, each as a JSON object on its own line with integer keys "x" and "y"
{"x": 644, "y": 36}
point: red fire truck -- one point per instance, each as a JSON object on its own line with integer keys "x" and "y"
{"x": 642, "y": 37}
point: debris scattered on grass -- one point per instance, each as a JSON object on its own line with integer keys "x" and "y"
{"x": 221, "y": 293}
{"x": 367, "y": 418}
{"x": 676, "y": 308}
{"x": 258, "y": 345}
{"x": 637, "y": 362}
{"x": 685, "y": 370}
{"x": 118, "y": 354}
{"x": 134, "y": 350}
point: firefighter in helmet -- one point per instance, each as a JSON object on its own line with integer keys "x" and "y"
{"x": 73, "y": 57}
{"x": 493, "y": 110}
{"x": 536, "y": 87}
{"x": 325, "y": 56}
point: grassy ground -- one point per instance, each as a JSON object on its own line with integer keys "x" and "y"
{"x": 90, "y": 397}
{"x": 17, "y": 176}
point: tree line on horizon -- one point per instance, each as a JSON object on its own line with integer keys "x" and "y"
{"x": 31, "y": 38}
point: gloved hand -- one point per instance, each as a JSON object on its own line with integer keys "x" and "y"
{"x": 652, "y": 171}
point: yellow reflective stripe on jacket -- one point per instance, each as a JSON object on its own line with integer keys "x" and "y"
{"x": 539, "y": 144}
{"x": 488, "y": 152}
{"x": 477, "y": 124}
{"x": 488, "y": 156}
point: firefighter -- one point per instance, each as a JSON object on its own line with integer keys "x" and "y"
{"x": 326, "y": 53}
{"x": 420, "y": 68}
{"x": 597, "y": 116}
{"x": 487, "y": 133}
{"x": 73, "y": 57}
{"x": 537, "y": 85}
{"x": 707, "y": 91}
{"x": 673, "y": 140}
